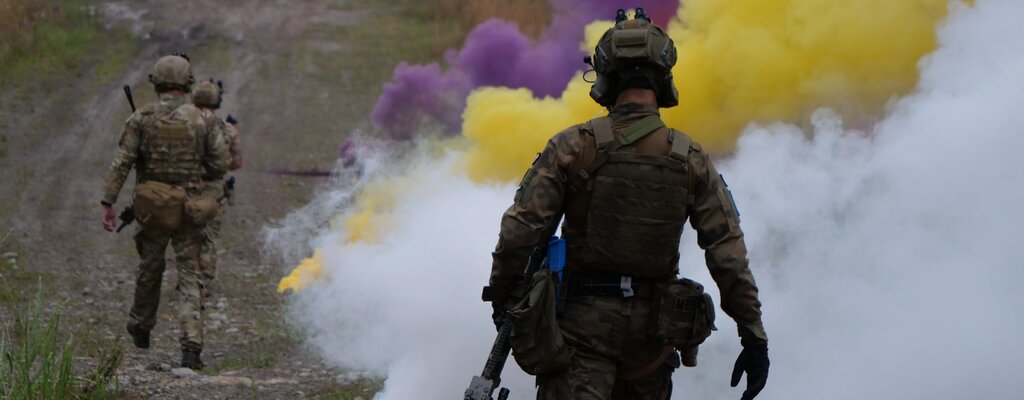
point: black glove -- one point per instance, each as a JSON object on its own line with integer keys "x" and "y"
{"x": 498, "y": 314}
{"x": 754, "y": 361}
{"x": 501, "y": 300}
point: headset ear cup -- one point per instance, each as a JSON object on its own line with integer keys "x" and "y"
{"x": 668, "y": 96}
{"x": 602, "y": 91}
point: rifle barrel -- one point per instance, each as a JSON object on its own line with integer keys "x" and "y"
{"x": 128, "y": 93}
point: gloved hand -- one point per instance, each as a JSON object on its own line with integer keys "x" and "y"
{"x": 497, "y": 314}
{"x": 501, "y": 300}
{"x": 754, "y": 361}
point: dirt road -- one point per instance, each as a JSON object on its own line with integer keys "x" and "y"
{"x": 300, "y": 76}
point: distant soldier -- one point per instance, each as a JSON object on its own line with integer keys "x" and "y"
{"x": 171, "y": 149}
{"x": 627, "y": 184}
{"x": 207, "y": 95}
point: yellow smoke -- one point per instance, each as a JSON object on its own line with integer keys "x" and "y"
{"x": 740, "y": 61}
{"x": 371, "y": 218}
{"x": 307, "y": 272}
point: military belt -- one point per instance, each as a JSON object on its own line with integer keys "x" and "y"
{"x": 621, "y": 286}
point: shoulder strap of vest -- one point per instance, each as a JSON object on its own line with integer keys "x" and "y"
{"x": 602, "y": 130}
{"x": 604, "y": 137}
{"x": 681, "y": 146}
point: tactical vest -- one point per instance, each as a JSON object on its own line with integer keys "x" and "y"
{"x": 626, "y": 211}
{"x": 172, "y": 149}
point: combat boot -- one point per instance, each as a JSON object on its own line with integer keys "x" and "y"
{"x": 140, "y": 338}
{"x": 190, "y": 359}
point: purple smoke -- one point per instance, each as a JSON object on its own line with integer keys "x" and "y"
{"x": 497, "y": 53}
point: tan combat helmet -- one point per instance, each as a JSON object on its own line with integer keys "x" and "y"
{"x": 631, "y": 52}
{"x": 173, "y": 72}
{"x": 207, "y": 94}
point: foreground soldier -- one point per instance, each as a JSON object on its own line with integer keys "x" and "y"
{"x": 626, "y": 184}
{"x": 207, "y": 96}
{"x": 170, "y": 148}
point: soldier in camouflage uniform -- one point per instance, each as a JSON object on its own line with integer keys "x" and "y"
{"x": 167, "y": 142}
{"x": 208, "y": 96}
{"x": 626, "y": 184}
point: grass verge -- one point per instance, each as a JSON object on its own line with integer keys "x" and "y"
{"x": 44, "y": 37}
{"x": 36, "y": 360}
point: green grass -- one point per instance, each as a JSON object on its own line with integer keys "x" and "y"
{"x": 57, "y": 40}
{"x": 121, "y": 48}
{"x": 36, "y": 359}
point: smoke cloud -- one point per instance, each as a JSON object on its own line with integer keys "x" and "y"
{"x": 886, "y": 253}
{"x": 740, "y": 61}
{"x": 497, "y": 53}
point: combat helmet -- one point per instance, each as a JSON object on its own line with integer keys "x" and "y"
{"x": 207, "y": 94}
{"x": 173, "y": 72}
{"x": 633, "y": 53}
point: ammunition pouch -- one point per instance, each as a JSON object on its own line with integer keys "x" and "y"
{"x": 683, "y": 316}
{"x": 201, "y": 209}
{"x": 536, "y": 340}
{"x": 159, "y": 205}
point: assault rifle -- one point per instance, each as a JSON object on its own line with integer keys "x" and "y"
{"x": 482, "y": 387}
{"x": 126, "y": 217}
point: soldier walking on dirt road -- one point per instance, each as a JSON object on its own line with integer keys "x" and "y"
{"x": 208, "y": 95}
{"x": 171, "y": 149}
{"x": 626, "y": 184}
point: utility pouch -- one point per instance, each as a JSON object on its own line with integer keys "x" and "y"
{"x": 684, "y": 317}
{"x": 536, "y": 340}
{"x": 201, "y": 209}
{"x": 159, "y": 205}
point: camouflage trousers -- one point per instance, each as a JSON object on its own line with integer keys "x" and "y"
{"x": 152, "y": 246}
{"x": 208, "y": 252}
{"x": 614, "y": 356}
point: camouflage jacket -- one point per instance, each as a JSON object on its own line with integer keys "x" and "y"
{"x": 229, "y": 132}
{"x": 542, "y": 195}
{"x": 215, "y": 155}
{"x": 234, "y": 140}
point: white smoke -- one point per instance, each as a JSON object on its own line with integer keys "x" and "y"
{"x": 889, "y": 262}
